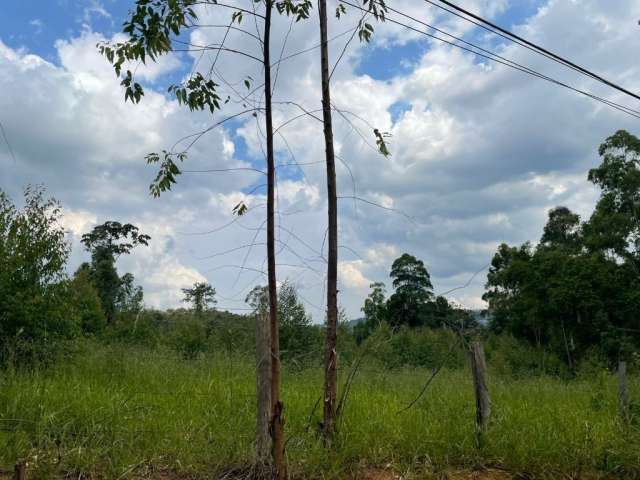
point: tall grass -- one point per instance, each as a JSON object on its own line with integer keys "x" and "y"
{"x": 116, "y": 412}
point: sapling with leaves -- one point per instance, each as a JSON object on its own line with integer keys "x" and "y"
{"x": 365, "y": 30}
{"x": 152, "y": 29}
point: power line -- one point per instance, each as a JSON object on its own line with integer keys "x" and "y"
{"x": 503, "y": 61}
{"x": 532, "y": 46}
{"x": 512, "y": 63}
{"x": 6, "y": 140}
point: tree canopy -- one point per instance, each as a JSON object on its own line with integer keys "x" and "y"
{"x": 579, "y": 288}
{"x": 413, "y": 291}
{"x": 201, "y": 296}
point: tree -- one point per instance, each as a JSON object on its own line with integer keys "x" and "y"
{"x": 577, "y": 288}
{"x": 130, "y": 296}
{"x": 375, "y": 312}
{"x": 151, "y": 30}
{"x": 296, "y": 333}
{"x": 34, "y": 294}
{"x": 201, "y": 296}
{"x": 106, "y": 243}
{"x": 614, "y": 226}
{"x": 331, "y": 355}
{"x": 413, "y": 290}
{"x": 296, "y": 336}
{"x": 562, "y": 230}
{"x": 87, "y": 302}
{"x": 115, "y": 238}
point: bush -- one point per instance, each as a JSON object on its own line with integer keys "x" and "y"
{"x": 189, "y": 338}
{"x": 35, "y": 298}
{"x": 86, "y": 303}
{"x": 425, "y": 347}
{"x": 509, "y": 356}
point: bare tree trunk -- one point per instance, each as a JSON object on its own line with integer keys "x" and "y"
{"x": 330, "y": 356}
{"x": 276, "y": 423}
{"x": 263, "y": 385}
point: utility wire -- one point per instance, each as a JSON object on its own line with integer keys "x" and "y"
{"x": 532, "y": 46}
{"x": 503, "y": 61}
{"x": 6, "y": 140}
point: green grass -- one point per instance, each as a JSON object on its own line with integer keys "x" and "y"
{"x": 116, "y": 411}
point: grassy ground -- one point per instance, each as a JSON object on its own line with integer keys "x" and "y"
{"x": 115, "y": 412}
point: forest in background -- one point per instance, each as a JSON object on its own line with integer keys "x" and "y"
{"x": 572, "y": 297}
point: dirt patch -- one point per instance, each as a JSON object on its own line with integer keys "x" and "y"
{"x": 377, "y": 474}
{"x": 486, "y": 474}
{"x": 389, "y": 474}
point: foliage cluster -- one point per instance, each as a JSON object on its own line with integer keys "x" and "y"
{"x": 578, "y": 290}
{"x": 42, "y": 310}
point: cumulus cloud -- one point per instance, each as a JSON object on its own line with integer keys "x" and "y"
{"x": 479, "y": 152}
{"x": 78, "y": 222}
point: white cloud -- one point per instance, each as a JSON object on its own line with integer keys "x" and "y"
{"x": 79, "y": 56}
{"x": 351, "y": 276}
{"x": 478, "y": 156}
{"x": 37, "y": 25}
{"x": 95, "y": 8}
{"x": 78, "y": 222}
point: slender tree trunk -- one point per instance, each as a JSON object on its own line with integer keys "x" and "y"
{"x": 330, "y": 356}
{"x": 276, "y": 423}
{"x": 263, "y": 385}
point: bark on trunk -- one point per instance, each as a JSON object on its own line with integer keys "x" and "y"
{"x": 276, "y": 422}
{"x": 331, "y": 357}
{"x": 263, "y": 386}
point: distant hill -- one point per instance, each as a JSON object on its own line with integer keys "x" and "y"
{"x": 352, "y": 323}
{"x": 479, "y": 316}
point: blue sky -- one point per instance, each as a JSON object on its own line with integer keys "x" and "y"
{"x": 36, "y": 25}
{"x": 479, "y": 153}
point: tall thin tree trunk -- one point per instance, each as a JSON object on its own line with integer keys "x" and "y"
{"x": 330, "y": 356}
{"x": 277, "y": 423}
{"x": 263, "y": 385}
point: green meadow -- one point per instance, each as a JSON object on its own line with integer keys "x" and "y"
{"x": 130, "y": 412}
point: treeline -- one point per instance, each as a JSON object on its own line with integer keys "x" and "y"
{"x": 45, "y": 314}
{"x": 577, "y": 292}
{"x": 42, "y": 310}
{"x": 412, "y": 303}
{"x": 571, "y": 299}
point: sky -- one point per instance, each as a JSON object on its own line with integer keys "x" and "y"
{"x": 479, "y": 152}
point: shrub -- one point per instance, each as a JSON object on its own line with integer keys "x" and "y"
{"x": 86, "y": 303}
{"x": 35, "y": 299}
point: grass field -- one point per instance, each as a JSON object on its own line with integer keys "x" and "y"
{"x": 118, "y": 412}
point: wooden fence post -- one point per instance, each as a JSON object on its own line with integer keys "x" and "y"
{"x": 20, "y": 470}
{"x": 623, "y": 396}
{"x": 479, "y": 372}
{"x": 263, "y": 384}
